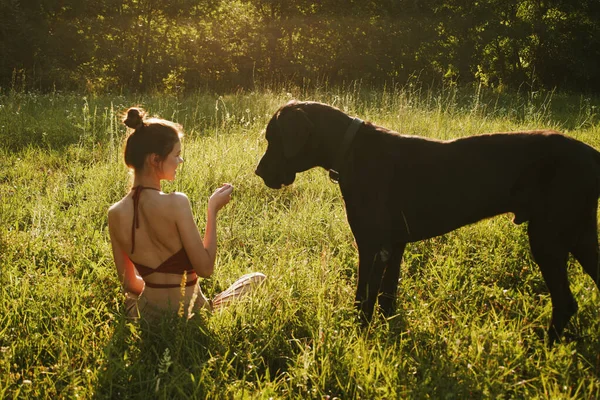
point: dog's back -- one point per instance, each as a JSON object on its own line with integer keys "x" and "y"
{"x": 438, "y": 186}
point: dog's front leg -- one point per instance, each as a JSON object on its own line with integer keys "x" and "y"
{"x": 370, "y": 221}
{"x": 389, "y": 282}
{"x": 373, "y": 260}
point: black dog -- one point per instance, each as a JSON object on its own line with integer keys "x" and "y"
{"x": 399, "y": 189}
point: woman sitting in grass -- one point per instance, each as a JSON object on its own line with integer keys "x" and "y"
{"x": 156, "y": 244}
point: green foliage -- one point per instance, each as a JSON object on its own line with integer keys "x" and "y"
{"x": 472, "y": 305}
{"x": 145, "y": 45}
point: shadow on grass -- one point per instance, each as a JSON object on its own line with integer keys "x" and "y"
{"x": 163, "y": 360}
{"x": 458, "y": 364}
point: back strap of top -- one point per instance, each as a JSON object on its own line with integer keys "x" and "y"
{"x": 170, "y": 285}
{"x": 178, "y": 263}
{"x": 137, "y": 190}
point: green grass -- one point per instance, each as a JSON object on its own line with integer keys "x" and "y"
{"x": 471, "y": 304}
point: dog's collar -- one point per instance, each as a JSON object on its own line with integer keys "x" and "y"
{"x": 334, "y": 171}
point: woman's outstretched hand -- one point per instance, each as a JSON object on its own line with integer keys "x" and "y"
{"x": 220, "y": 197}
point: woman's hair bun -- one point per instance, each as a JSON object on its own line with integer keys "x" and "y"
{"x": 135, "y": 117}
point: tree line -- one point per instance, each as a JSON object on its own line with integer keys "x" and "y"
{"x": 179, "y": 45}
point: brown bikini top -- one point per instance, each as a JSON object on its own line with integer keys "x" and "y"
{"x": 178, "y": 263}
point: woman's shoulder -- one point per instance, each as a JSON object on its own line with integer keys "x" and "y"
{"x": 178, "y": 198}
{"x": 117, "y": 211}
{"x": 178, "y": 202}
{"x": 117, "y": 207}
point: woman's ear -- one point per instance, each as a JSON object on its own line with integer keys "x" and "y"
{"x": 153, "y": 160}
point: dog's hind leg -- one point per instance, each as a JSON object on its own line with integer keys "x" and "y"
{"x": 551, "y": 255}
{"x": 585, "y": 248}
{"x": 389, "y": 282}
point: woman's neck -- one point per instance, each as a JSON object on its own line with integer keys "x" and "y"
{"x": 146, "y": 180}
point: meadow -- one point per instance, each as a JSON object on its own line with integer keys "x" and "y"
{"x": 472, "y": 305}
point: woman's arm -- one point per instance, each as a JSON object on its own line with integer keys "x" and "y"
{"x": 202, "y": 253}
{"x": 128, "y": 276}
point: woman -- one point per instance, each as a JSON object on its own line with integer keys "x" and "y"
{"x": 157, "y": 248}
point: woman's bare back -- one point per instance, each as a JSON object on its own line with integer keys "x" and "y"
{"x": 156, "y": 240}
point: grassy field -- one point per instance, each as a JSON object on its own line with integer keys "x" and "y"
{"x": 471, "y": 304}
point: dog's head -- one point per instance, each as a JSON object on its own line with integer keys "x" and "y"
{"x": 289, "y": 146}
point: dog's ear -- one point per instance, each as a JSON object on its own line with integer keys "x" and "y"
{"x": 295, "y": 130}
